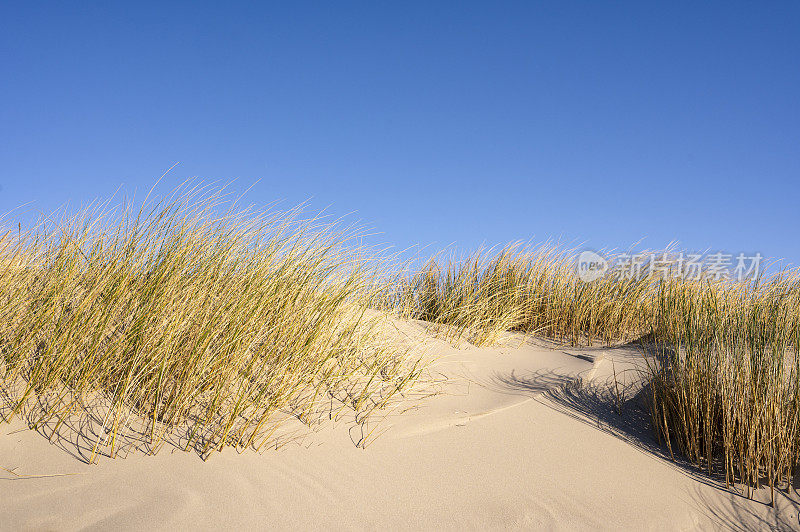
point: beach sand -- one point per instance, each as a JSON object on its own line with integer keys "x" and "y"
{"x": 520, "y": 435}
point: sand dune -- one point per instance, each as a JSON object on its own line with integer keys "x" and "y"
{"x": 521, "y": 435}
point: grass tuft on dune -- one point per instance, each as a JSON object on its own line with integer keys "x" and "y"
{"x": 723, "y": 368}
{"x": 187, "y": 312}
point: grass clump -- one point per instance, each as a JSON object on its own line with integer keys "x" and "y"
{"x": 533, "y": 290}
{"x": 188, "y": 313}
{"x": 724, "y": 368}
{"x": 726, "y": 385}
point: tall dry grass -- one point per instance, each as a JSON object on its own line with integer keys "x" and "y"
{"x": 726, "y": 385}
{"x": 534, "y": 290}
{"x": 190, "y": 313}
{"x": 724, "y": 370}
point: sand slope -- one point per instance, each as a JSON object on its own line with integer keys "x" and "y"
{"x": 521, "y": 436}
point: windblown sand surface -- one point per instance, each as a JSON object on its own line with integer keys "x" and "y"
{"x": 523, "y": 435}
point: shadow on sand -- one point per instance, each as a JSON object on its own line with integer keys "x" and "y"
{"x": 86, "y": 431}
{"x": 621, "y": 409}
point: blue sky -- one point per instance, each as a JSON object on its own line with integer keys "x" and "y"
{"x": 434, "y": 123}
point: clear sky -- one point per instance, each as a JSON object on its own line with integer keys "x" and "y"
{"x": 434, "y": 122}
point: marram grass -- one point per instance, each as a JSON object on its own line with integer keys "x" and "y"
{"x": 723, "y": 367}
{"x": 726, "y": 384}
{"x": 533, "y": 290}
{"x": 188, "y": 313}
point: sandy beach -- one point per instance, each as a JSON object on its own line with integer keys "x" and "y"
{"x": 521, "y": 435}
